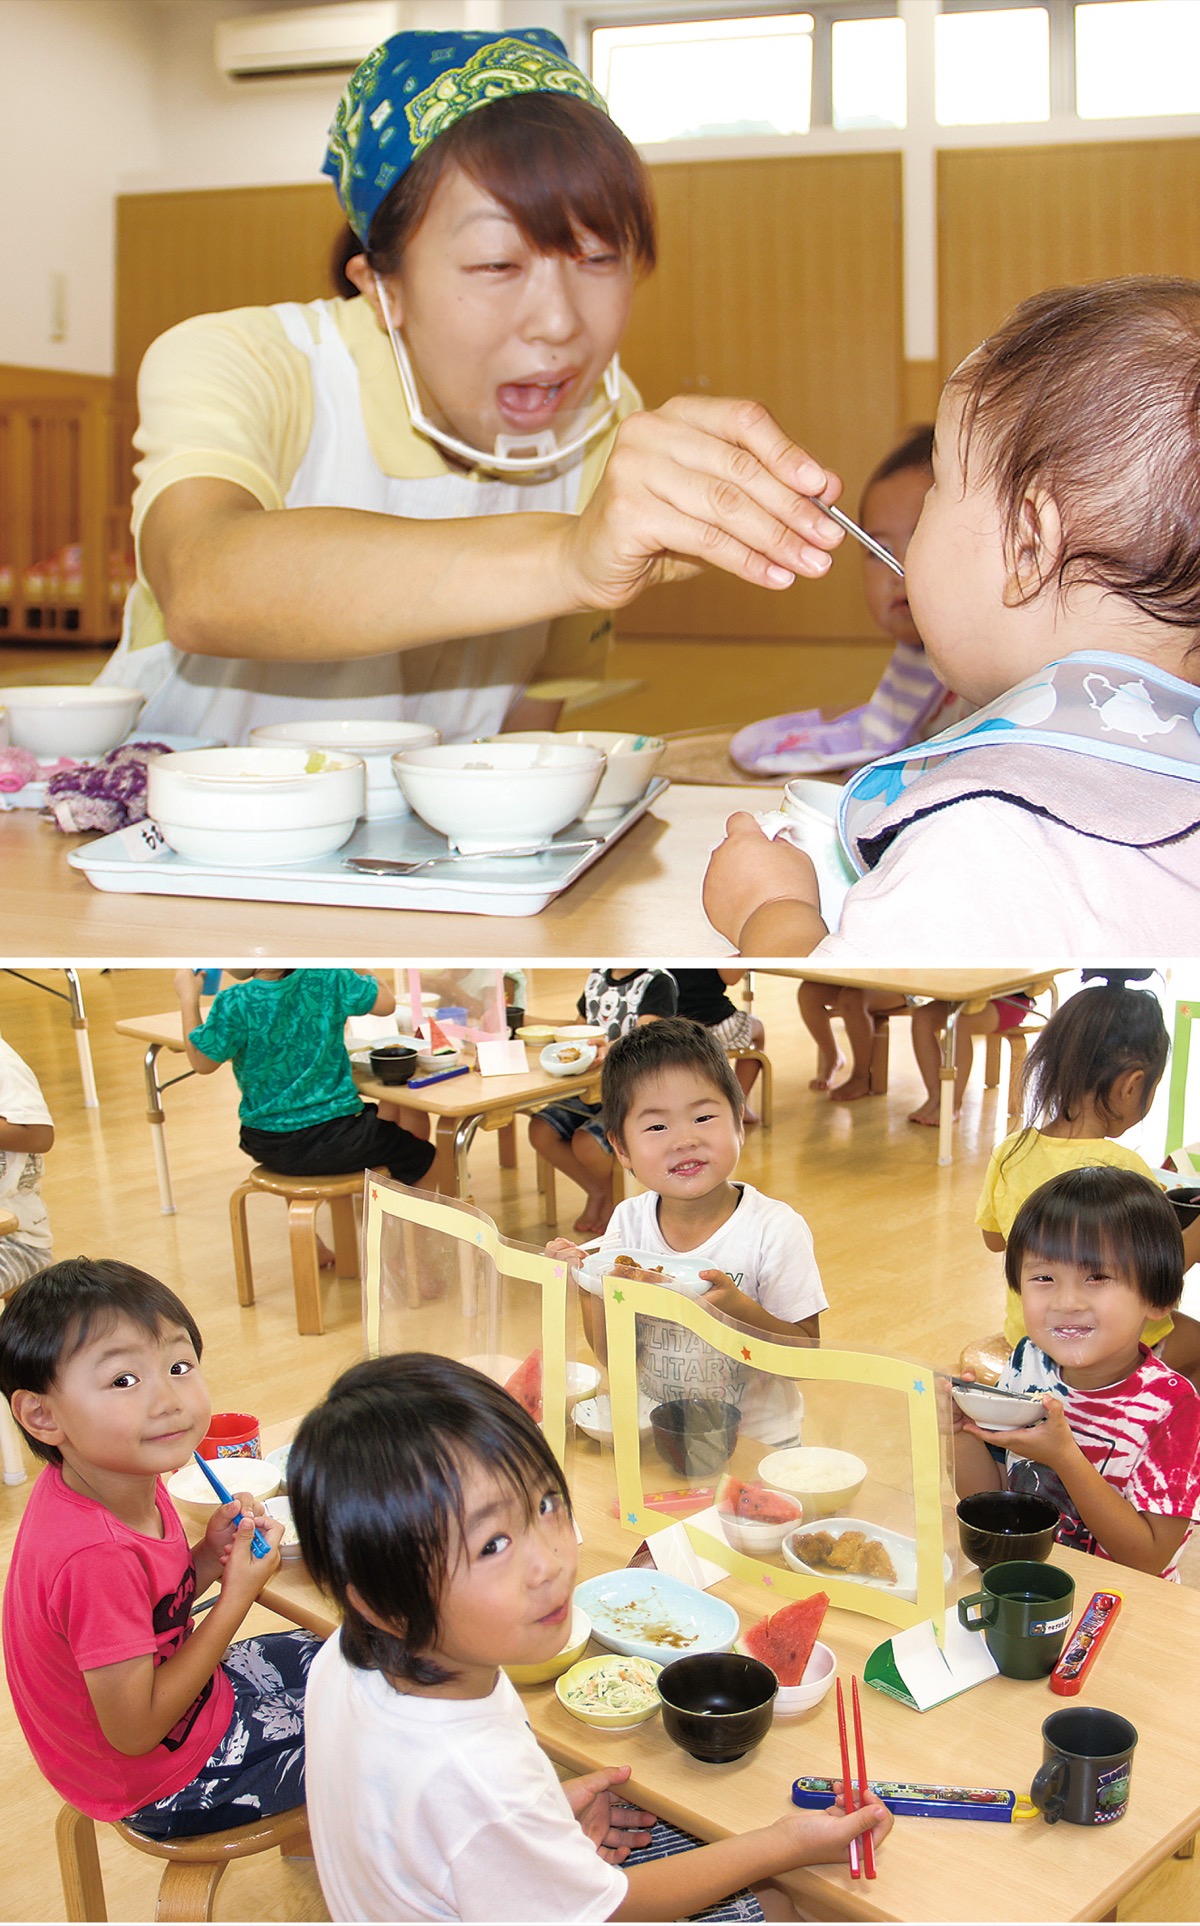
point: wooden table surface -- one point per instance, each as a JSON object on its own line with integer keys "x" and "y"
{"x": 645, "y": 889}
{"x": 929, "y": 1869}
{"x": 952, "y": 985}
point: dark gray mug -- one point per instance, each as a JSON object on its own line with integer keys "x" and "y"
{"x": 1087, "y": 1762}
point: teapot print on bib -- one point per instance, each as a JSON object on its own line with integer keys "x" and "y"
{"x": 1127, "y": 709}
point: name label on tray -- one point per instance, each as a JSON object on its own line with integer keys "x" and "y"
{"x": 144, "y": 842}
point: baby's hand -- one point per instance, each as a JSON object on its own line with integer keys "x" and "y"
{"x": 747, "y": 871}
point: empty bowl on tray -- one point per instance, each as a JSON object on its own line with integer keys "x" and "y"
{"x": 70, "y": 719}
{"x": 717, "y": 1705}
{"x": 631, "y": 761}
{"x": 695, "y": 1436}
{"x": 256, "y": 807}
{"x": 498, "y": 795}
{"x": 824, "y": 1481}
{"x": 376, "y": 741}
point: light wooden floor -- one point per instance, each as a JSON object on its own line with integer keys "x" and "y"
{"x": 903, "y": 1266}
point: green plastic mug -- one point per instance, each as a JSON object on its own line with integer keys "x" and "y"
{"x": 1024, "y": 1612}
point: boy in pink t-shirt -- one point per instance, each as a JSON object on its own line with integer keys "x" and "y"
{"x": 130, "y": 1709}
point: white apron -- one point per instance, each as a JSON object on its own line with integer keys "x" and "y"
{"x": 463, "y": 688}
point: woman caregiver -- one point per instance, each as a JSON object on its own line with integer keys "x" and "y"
{"x": 459, "y": 463}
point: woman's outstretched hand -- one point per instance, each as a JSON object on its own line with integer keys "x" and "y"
{"x": 702, "y": 482}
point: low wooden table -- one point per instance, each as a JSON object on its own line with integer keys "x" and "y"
{"x": 962, "y": 989}
{"x": 460, "y": 1106}
{"x": 929, "y": 1869}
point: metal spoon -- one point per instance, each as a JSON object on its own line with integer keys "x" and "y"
{"x": 388, "y": 866}
{"x": 877, "y": 549}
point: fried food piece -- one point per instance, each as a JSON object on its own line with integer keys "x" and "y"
{"x": 847, "y": 1552}
{"x": 815, "y": 1547}
{"x": 638, "y": 1273}
{"x": 876, "y": 1562}
{"x": 851, "y": 1552}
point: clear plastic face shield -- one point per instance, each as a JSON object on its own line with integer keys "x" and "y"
{"x": 514, "y": 454}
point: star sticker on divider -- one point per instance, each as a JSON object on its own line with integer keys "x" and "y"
{"x": 919, "y": 1387}
{"x": 374, "y": 1194}
{"x": 745, "y": 1354}
{"x": 631, "y": 1517}
{"x": 618, "y": 1297}
{"x": 767, "y": 1579}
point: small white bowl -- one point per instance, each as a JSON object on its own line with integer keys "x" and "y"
{"x": 807, "y": 1473}
{"x": 70, "y": 719}
{"x": 631, "y": 762}
{"x": 498, "y": 795}
{"x": 567, "y": 1059}
{"x": 759, "y": 1537}
{"x": 582, "y": 1379}
{"x": 375, "y": 740}
{"x": 244, "y": 807}
{"x": 995, "y": 1410}
{"x": 594, "y": 1418}
{"x": 819, "y": 1674}
{"x": 191, "y": 1493}
{"x": 281, "y": 1509}
{"x": 579, "y": 1633}
{"x": 579, "y": 1033}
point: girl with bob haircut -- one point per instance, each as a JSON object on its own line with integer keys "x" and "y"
{"x": 1054, "y": 577}
{"x": 457, "y": 479}
{"x": 1093, "y": 1254}
{"x": 1089, "y": 1078}
{"x": 430, "y": 1507}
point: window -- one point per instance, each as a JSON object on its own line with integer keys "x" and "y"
{"x": 870, "y": 78}
{"x": 992, "y": 66}
{"x": 693, "y": 79}
{"x": 1137, "y": 57}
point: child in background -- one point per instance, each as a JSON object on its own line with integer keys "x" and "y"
{"x": 301, "y": 1114}
{"x": 672, "y": 1110}
{"x": 431, "y": 1508}
{"x": 1090, "y": 1076}
{"x": 1093, "y": 1254}
{"x": 909, "y": 704}
{"x": 702, "y": 997}
{"x": 858, "y": 1009}
{"x": 1055, "y": 579}
{"x": 26, "y": 1134}
{"x": 131, "y": 1708}
{"x": 570, "y": 1135}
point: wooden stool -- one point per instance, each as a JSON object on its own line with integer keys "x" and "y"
{"x": 304, "y": 1195}
{"x": 1017, "y": 1047}
{"x": 765, "y": 1075}
{"x": 546, "y": 1175}
{"x": 193, "y": 1869}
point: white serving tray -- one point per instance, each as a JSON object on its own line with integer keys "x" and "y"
{"x": 482, "y": 885}
{"x": 33, "y": 795}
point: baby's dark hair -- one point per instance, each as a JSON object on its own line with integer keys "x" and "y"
{"x": 1102, "y": 1215}
{"x": 1098, "y": 1036}
{"x": 1092, "y": 396}
{"x": 915, "y": 451}
{"x": 54, "y": 1313}
{"x": 375, "y": 1479}
{"x": 673, "y": 1043}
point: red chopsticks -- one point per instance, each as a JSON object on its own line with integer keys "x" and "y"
{"x": 849, "y": 1800}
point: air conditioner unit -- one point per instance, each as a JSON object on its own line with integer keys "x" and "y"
{"x": 304, "y": 40}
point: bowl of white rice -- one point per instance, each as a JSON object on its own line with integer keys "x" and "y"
{"x": 825, "y": 1481}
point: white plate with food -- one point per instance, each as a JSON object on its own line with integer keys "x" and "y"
{"x": 870, "y": 1555}
{"x": 672, "y": 1269}
{"x": 648, "y": 1614}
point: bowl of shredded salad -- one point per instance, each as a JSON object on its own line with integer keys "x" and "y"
{"x": 610, "y": 1693}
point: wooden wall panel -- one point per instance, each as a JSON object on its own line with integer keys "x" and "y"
{"x": 779, "y": 279}
{"x": 202, "y": 251}
{"x": 1014, "y": 220}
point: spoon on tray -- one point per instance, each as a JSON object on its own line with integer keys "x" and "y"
{"x": 389, "y": 866}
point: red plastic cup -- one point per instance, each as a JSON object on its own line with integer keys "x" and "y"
{"x": 232, "y": 1434}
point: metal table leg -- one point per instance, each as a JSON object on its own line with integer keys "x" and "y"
{"x": 91, "y": 1100}
{"x": 156, "y": 1118}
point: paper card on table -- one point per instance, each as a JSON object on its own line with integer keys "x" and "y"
{"x": 501, "y": 1057}
{"x": 368, "y": 1029}
{"x": 915, "y": 1669}
{"x": 671, "y": 1551}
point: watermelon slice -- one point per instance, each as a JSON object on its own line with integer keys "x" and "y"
{"x": 785, "y": 1641}
{"x": 525, "y": 1385}
{"x": 757, "y": 1504}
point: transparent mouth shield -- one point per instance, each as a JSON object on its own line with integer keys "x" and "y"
{"x": 511, "y": 454}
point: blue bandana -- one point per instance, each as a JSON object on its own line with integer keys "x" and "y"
{"x": 416, "y": 85}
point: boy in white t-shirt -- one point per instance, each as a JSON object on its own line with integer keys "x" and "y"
{"x": 673, "y": 1115}
{"x": 26, "y": 1133}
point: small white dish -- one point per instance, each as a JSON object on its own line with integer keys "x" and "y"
{"x": 819, "y": 1674}
{"x": 822, "y": 1479}
{"x": 255, "y": 806}
{"x": 374, "y": 739}
{"x": 70, "y": 719}
{"x": 994, "y": 1410}
{"x": 498, "y": 795}
{"x": 279, "y": 1458}
{"x": 760, "y": 1537}
{"x": 631, "y": 760}
{"x": 679, "y": 1273}
{"x": 594, "y": 1417}
{"x": 582, "y": 1379}
{"x": 567, "y": 1059}
{"x": 901, "y": 1549}
{"x": 191, "y": 1493}
{"x": 281, "y": 1509}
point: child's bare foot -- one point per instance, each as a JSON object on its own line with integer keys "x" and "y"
{"x": 827, "y": 1069}
{"x": 851, "y": 1090}
{"x": 750, "y": 1116}
{"x": 325, "y": 1257}
{"x": 929, "y": 1114}
{"x": 593, "y": 1218}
